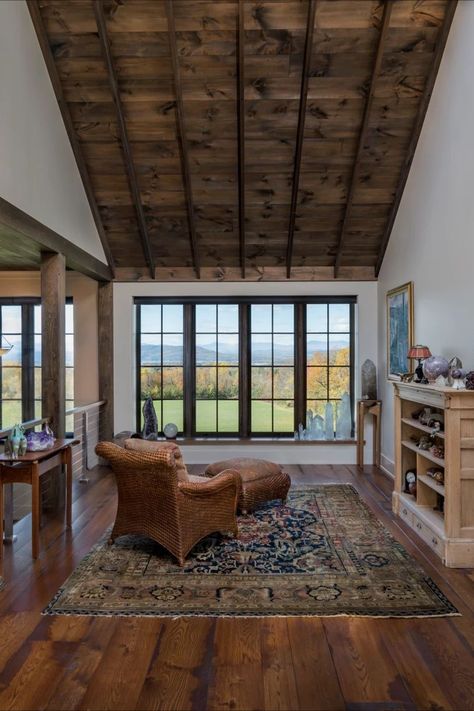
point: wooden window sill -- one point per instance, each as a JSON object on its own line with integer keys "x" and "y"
{"x": 278, "y": 441}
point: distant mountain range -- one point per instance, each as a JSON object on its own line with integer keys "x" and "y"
{"x": 205, "y": 355}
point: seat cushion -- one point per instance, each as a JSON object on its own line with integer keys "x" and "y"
{"x": 146, "y": 445}
{"x": 249, "y": 469}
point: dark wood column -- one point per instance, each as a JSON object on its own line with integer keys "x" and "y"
{"x": 53, "y": 299}
{"x": 106, "y": 358}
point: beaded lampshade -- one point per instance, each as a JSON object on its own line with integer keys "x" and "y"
{"x": 419, "y": 352}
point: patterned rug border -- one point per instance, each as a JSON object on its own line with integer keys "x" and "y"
{"x": 451, "y": 610}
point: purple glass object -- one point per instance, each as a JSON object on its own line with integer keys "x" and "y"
{"x": 38, "y": 441}
{"x": 435, "y": 366}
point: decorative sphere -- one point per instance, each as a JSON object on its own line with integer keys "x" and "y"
{"x": 435, "y": 366}
{"x": 170, "y": 430}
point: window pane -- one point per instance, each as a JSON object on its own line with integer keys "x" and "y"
{"x": 283, "y": 349}
{"x": 69, "y": 318}
{"x": 339, "y": 353}
{"x": 316, "y": 350}
{"x": 38, "y": 409}
{"x": 13, "y": 357}
{"x": 69, "y": 350}
{"x": 228, "y": 415}
{"x": 261, "y": 383}
{"x": 150, "y": 383}
{"x": 37, "y": 383}
{"x": 283, "y": 318}
{"x": 37, "y": 318}
{"x": 261, "y": 349}
{"x": 11, "y": 320}
{"x": 172, "y": 383}
{"x": 150, "y": 349}
{"x": 317, "y": 383}
{"x": 69, "y": 383}
{"x": 206, "y": 318}
{"x": 283, "y": 416}
{"x": 11, "y": 413}
{"x": 11, "y": 383}
{"x": 339, "y": 382}
{"x": 261, "y": 318}
{"x": 283, "y": 383}
{"x": 206, "y": 416}
{"x": 316, "y": 318}
{"x": 339, "y": 317}
{"x": 37, "y": 350}
{"x": 150, "y": 317}
{"x": 228, "y": 349}
{"x": 173, "y": 318}
{"x": 228, "y": 316}
{"x": 206, "y": 386}
{"x": 206, "y": 349}
{"x": 228, "y": 383}
{"x": 172, "y": 349}
{"x": 261, "y": 415}
{"x": 173, "y": 412}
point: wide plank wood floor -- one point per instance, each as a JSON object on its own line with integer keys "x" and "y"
{"x": 273, "y": 663}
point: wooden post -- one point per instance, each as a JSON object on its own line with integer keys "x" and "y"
{"x": 53, "y": 299}
{"x": 106, "y": 358}
{"x": 53, "y": 354}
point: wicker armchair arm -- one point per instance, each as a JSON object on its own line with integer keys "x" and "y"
{"x": 226, "y": 479}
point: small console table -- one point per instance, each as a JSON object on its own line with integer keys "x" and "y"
{"x": 29, "y": 469}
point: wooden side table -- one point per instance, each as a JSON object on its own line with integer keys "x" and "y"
{"x": 29, "y": 469}
{"x": 374, "y": 408}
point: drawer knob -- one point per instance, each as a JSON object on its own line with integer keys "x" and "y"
{"x": 404, "y": 512}
{"x": 418, "y": 525}
{"x": 435, "y": 541}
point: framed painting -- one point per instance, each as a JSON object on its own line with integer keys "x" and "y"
{"x": 399, "y": 329}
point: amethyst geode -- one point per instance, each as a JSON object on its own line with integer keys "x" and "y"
{"x": 434, "y": 366}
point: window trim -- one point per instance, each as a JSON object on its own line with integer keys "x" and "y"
{"x": 300, "y": 361}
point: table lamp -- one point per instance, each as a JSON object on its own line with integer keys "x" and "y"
{"x": 419, "y": 353}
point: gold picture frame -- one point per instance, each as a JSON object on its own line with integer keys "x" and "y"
{"x": 400, "y": 329}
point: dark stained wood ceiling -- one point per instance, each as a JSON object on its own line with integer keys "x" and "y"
{"x": 243, "y": 138}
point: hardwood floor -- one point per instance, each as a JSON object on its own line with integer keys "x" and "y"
{"x": 273, "y": 663}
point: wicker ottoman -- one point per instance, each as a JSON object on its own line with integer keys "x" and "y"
{"x": 261, "y": 481}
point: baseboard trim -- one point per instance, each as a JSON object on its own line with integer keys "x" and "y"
{"x": 387, "y": 465}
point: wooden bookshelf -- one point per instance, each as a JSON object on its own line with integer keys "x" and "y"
{"x": 450, "y": 533}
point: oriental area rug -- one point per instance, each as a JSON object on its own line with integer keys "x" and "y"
{"x": 323, "y": 553}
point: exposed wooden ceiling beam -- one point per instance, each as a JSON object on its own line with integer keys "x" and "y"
{"x": 35, "y": 14}
{"x": 181, "y": 134}
{"x": 241, "y": 131}
{"x": 254, "y": 274}
{"x": 422, "y": 109}
{"x": 363, "y": 132}
{"x": 124, "y": 140}
{"x": 308, "y": 45}
{"x": 24, "y": 237}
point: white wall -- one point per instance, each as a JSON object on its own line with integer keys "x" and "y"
{"x": 432, "y": 242}
{"x": 124, "y": 359}
{"x": 38, "y": 171}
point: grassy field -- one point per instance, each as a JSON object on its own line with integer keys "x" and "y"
{"x": 228, "y": 415}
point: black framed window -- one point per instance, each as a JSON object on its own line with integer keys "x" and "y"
{"x": 272, "y": 386}
{"x": 243, "y": 366}
{"x": 20, "y": 368}
{"x": 216, "y": 369}
{"x": 160, "y": 353}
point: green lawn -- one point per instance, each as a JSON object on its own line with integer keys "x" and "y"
{"x": 228, "y": 410}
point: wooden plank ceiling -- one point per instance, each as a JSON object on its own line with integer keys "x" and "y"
{"x": 238, "y": 137}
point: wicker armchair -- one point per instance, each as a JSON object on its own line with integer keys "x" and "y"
{"x": 176, "y": 512}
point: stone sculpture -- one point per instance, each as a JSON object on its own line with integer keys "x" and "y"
{"x": 369, "y": 380}
{"x": 329, "y": 421}
{"x": 344, "y": 420}
{"x": 150, "y": 421}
